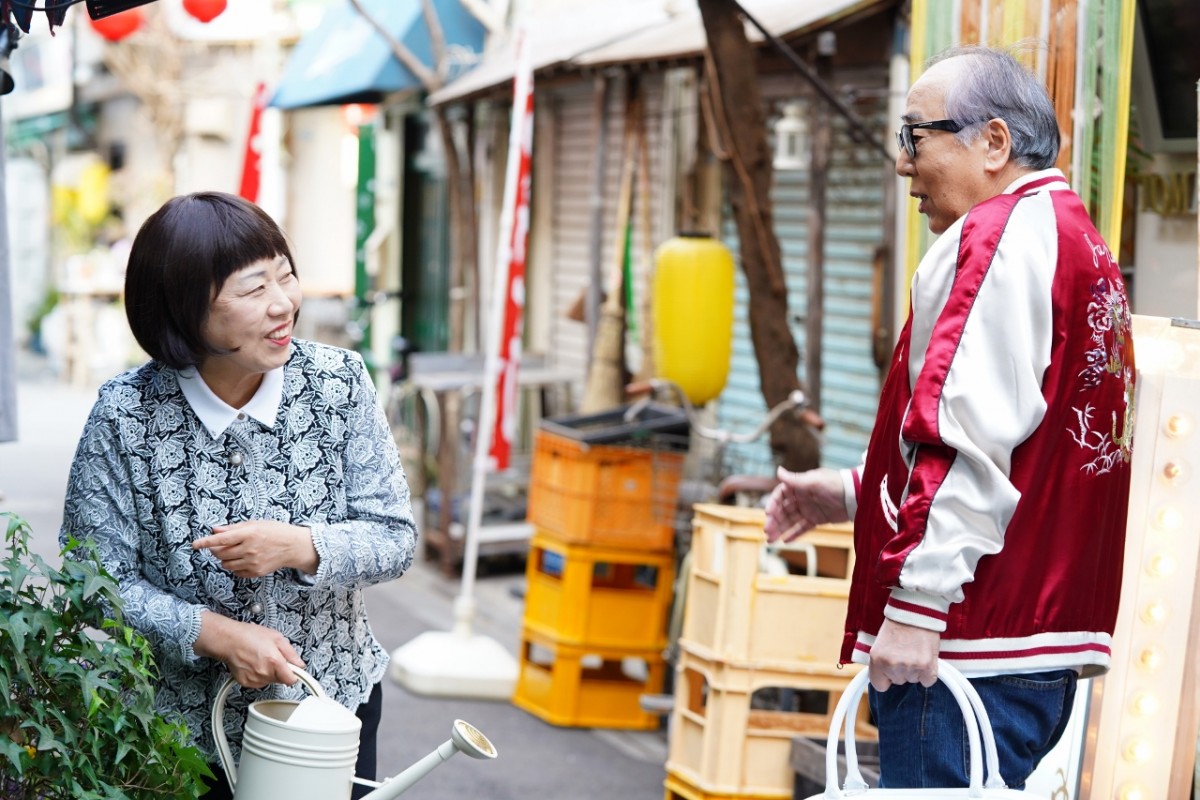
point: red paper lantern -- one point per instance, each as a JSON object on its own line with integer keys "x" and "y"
{"x": 116, "y": 27}
{"x": 204, "y": 10}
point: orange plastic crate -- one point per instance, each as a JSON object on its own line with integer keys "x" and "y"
{"x": 598, "y": 596}
{"x": 604, "y": 495}
{"x": 587, "y": 687}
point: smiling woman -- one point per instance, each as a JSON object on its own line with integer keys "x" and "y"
{"x": 243, "y": 487}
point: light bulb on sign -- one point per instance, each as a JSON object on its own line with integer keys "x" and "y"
{"x": 1176, "y": 472}
{"x": 1168, "y": 519}
{"x": 1137, "y": 751}
{"x": 1178, "y": 426}
{"x": 1151, "y": 658}
{"x": 1133, "y": 791}
{"x": 1155, "y": 613}
{"x": 1161, "y": 565}
{"x": 1144, "y": 704}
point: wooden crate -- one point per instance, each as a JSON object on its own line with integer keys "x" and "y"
{"x": 736, "y": 613}
{"x": 728, "y": 732}
{"x": 604, "y": 495}
{"x": 598, "y": 596}
{"x": 587, "y": 687}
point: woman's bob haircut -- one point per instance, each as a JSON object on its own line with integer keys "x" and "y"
{"x": 179, "y": 261}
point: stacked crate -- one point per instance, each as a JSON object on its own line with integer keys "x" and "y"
{"x": 600, "y": 569}
{"x": 758, "y": 657}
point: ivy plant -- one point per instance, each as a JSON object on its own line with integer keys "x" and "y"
{"x": 77, "y": 717}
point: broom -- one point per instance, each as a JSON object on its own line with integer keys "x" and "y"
{"x": 606, "y": 374}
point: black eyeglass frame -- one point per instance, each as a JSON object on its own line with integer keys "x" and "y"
{"x": 906, "y": 142}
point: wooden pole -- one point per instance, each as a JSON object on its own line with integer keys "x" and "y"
{"x": 821, "y": 127}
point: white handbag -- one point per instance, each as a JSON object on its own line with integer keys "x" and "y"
{"x": 977, "y": 720}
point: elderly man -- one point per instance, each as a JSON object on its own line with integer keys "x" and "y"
{"x": 989, "y": 510}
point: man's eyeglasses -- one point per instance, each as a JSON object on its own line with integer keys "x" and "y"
{"x": 904, "y": 136}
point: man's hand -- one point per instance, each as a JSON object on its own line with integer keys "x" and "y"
{"x": 904, "y": 654}
{"x": 803, "y": 500}
{"x": 256, "y": 548}
{"x": 256, "y": 655}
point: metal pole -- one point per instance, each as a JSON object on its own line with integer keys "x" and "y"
{"x": 8, "y": 372}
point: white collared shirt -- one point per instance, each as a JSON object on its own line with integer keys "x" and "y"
{"x": 216, "y": 415}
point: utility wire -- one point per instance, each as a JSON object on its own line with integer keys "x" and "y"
{"x": 823, "y": 89}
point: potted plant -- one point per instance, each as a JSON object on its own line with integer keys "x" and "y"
{"x": 77, "y": 716}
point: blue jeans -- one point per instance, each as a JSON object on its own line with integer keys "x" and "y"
{"x": 923, "y": 736}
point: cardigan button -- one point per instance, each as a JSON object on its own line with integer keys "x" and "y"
{"x": 256, "y": 609}
{"x": 236, "y": 458}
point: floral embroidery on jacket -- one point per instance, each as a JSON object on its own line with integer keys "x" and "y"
{"x": 1108, "y": 317}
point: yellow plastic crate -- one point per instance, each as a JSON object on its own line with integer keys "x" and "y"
{"x": 735, "y": 613}
{"x": 587, "y": 687}
{"x": 604, "y": 495}
{"x": 724, "y": 744}
{"x": 678, "y": 788}
{"x": 598, "y": 597}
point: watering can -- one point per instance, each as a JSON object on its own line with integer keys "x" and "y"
{"x": 306, "y": 750}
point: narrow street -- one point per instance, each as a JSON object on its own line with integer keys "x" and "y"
{"x": 536, "y": 760}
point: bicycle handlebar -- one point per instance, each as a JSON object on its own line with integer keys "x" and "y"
{"x": 795, "y": 401}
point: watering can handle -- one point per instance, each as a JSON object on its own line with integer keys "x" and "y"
{"x": 218, "y": 719}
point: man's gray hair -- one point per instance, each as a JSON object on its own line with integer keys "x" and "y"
{"x": 996, "y": 86}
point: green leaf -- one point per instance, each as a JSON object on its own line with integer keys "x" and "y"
{"x": 17, "y": 627}
{"x": 85, "y": 700}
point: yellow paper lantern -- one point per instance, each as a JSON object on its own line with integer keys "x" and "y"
{"x": 693, "y": 314}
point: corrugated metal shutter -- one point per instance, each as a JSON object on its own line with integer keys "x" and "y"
{"x": 574, "y": 167}
{"x": 854, "y": 231}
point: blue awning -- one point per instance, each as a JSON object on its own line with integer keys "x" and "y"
{"x": 344, "y": 60}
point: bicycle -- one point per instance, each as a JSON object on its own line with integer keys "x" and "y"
{"x": 736, "y": 489}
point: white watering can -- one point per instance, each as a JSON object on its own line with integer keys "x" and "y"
{"x": 306, "y": 750}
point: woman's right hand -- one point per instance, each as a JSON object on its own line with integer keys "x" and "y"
{"x": 256, "y": 655}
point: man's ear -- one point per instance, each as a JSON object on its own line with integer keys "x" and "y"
{"x": 999, "y": 144}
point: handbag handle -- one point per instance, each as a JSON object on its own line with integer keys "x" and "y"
{"x": 969, "y": 703}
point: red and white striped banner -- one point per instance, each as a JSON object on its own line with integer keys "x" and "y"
{"x": 252, "y": 160}
{"x": 512, "y": 259}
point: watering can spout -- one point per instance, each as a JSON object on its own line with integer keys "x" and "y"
{"x": 464, "y": 738}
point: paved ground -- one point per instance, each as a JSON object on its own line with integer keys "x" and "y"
{"x": 537, "y": 760}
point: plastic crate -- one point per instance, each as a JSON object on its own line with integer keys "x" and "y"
{"x": 679, "y": 788}
{"x": 611, "y": 427}
{"x": 587, "y": 687}
{"x": 604, "y": 495}
{"x": 735, "y": 613}
{"x": 599, "y": 597}
{"x": 732, "y": 726}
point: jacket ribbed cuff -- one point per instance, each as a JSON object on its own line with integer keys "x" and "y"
{"x": 918, "y": 609}
{"x": 851, "y": 480}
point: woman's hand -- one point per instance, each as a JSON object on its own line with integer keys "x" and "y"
{"x": 256, "y": 655}
{"x": 803, "y": 500}
{"x": 256, "y": 548}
